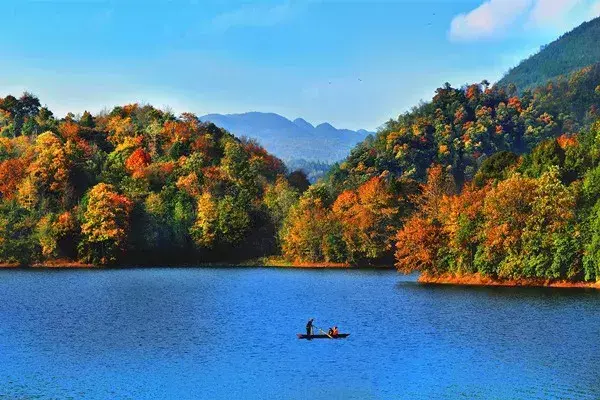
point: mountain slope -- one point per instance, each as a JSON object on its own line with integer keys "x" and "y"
{"x": 572, "y": 51}
{"x": 291, "y": 140}
{"x": 460, "y": 128}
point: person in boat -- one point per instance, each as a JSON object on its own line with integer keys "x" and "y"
{"x": 334, "y": 331}
{"x": 309, "y": 327}
{"x": 330, "y": 332}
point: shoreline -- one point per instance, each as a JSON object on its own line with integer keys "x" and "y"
{"x": 484, "y": 281}
{"x": 475, "y": 280}
{"x": 267, "y": 262}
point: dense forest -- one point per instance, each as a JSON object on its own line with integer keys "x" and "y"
{"x": 480, "y": 179}
{"x": 134, "y": 185}
{"x": 572, "y": 51}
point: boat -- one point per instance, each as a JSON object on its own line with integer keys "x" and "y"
{"x": 310, "y": 337}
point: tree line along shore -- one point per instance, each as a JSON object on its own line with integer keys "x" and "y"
{"x": 481, "y": 181}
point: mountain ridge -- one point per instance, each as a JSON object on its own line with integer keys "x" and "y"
{"x": 290, "y": 140}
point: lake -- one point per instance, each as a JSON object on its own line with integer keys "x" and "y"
{"x": 220, "y": 333}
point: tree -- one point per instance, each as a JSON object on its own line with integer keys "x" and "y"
{"x": 299, "y": 181}
{"x": 49, "y": 171}
{"x": 279, "y": 199}
{"x": 219, "y": 222}
{"x": 368, "y": 217}
{"x": 12, "y": 173}
{"x": 506, "y": 211}
{"x": 205, "y": 228}
{"x": 87, "y": 120}
{"x": 105, "y": 225}
{"x": 419, "y": 241}
{"x": 17, "y": 240}
{"x": 462, "y": 220}
{"x": 549, "y": 252}
{"x": 138, "y": 179}
{"x": 495, "y": 167}
{"x": 310, "y": 234}
{"x": 137, "y": 163}
{"x": 417, "y": 246}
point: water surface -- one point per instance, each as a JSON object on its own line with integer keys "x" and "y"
{"x": 231, "y": 333}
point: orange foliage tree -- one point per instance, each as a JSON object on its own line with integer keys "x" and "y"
{"x": 105, "y": 225}
{"x": 367, "y": 216}
{"x": 12, "y": 172}
{"x": 422, "y": 237}
{"x": 137, "y": 163}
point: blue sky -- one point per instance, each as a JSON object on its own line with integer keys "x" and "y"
{"x": 352, "y": 63}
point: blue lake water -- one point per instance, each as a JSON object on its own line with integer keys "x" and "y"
{"x": 231, "y": 333}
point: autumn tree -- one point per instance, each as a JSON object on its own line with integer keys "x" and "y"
{"x": 105, "y": 225}
{"x": 137, "y": 162}
{"x": 368, "y": 217}
{"x": 50, "y": 168}
{"x": 12, "y": 173}
{"x": 462, "y": 219}
{"x": 311, "y": 234}
{"x": 419, "y": 241}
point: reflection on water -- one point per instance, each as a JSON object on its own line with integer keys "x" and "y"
{"x": 223, "y": 333}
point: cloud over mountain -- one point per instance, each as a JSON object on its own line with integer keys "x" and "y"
{"x": 493, "y": 18}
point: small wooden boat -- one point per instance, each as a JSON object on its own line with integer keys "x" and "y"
{"x": 338, "y": 336}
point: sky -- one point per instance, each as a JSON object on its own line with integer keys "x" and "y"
{"x": 352, "y": 63}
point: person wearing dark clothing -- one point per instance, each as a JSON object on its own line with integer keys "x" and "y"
{"x": 309, "y": 327}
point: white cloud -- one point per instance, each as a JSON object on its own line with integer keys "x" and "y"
{"x": 595, "y": 11}
{"x": 253, "y": 16}
{"x": 494, "y": 17}
{"x": 550, "y": 11}
{"x": 488, "y": 19}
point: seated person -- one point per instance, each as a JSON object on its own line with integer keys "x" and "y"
{"x": 334, "y": 331}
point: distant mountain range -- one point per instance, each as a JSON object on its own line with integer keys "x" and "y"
{"x": 291, "y": 140}
{"x": 574, "y": 50}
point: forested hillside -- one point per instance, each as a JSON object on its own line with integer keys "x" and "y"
{"x": 136, "y": 185}
{"x": 572, "y": 51}
{"x": 536, "y": 216}
{"x": 479, "y": 179}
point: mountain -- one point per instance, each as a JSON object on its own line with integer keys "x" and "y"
{"x": 572, "y": 51}
{"x": 291, "y": 140}
{"x": 303, "y": 124}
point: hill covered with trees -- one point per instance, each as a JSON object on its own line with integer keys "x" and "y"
{"x": 136, "y": 185}
{"x": 479, "y": 180}
{"x": 572, "y": 51}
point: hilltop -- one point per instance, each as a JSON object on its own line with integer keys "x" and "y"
{"x": 135, "y": 185}
{"x": 572, "y": 51}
